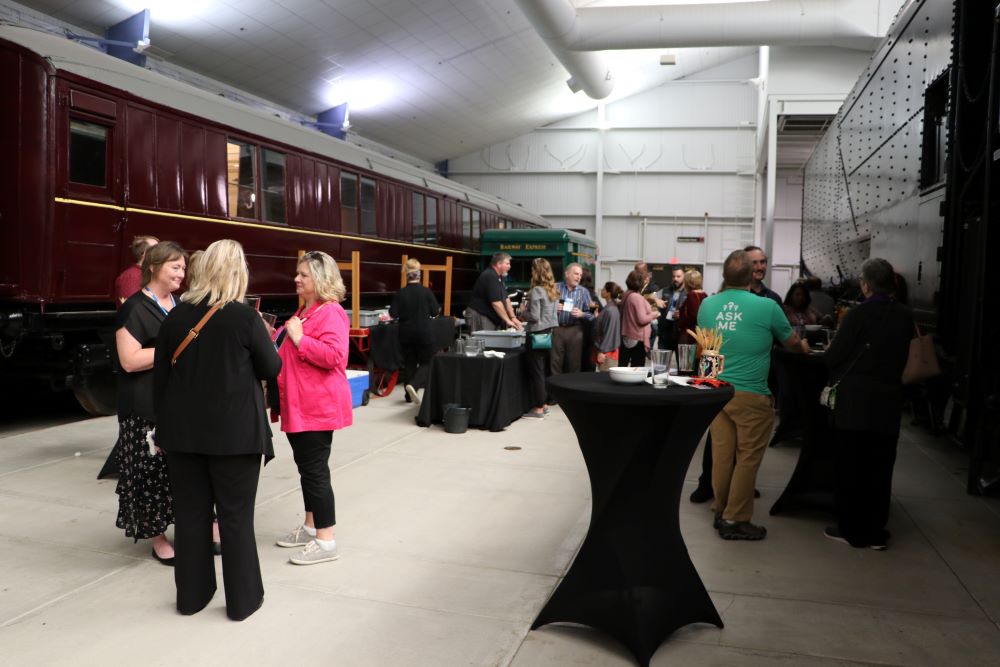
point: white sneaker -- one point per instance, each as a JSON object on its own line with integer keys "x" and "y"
{"x": 412, "y": 393}
{"x": 297, "y": 537}
{"x": 314, "y": 553}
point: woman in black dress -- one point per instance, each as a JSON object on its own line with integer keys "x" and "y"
{"x": 145, "y": 506}
{"x": 867, "y": 357}
{"x": 414, "y": 306}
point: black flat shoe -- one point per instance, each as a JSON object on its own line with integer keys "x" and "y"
{"x": 702, "y": 494}
{"x": 165, "y": 561}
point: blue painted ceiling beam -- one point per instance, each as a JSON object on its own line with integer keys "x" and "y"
{"x": 332, "y": 121}
{"x": 123, "y": 38}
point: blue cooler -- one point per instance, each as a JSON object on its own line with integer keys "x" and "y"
{"x": 358, "y": 380}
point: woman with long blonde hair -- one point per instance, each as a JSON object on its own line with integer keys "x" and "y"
{"x": 210, "y": 421}
{"x": 540, "y": 315}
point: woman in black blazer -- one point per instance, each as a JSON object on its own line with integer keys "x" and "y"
{"x": 210, "y": 421}
{"x": 867, "y": 358}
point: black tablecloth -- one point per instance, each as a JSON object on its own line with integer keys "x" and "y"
{"x": 496, "y": 389}
{"x": 632, "y": 577}
{"x": 384, "y": 338}
{"x": 803, "y": 378}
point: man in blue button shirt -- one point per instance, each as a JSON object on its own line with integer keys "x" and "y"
{"x": 572, "y": 311}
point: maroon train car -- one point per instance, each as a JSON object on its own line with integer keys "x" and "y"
{"x": 98, "y": 151}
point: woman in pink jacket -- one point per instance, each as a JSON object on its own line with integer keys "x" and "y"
{"x": 636, "y": 316}
{"x": 315, "y": 398}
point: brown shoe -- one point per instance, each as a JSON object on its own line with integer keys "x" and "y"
{"x": 741, "y": 530}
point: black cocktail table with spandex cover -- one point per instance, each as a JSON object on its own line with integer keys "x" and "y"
{"x": 632, "y": 577}
{"x": 812, "y": 481}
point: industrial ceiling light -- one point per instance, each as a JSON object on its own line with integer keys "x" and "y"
{"x": 668, "y": 59}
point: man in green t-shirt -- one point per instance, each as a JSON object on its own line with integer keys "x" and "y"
{"x": 740, "y": 432}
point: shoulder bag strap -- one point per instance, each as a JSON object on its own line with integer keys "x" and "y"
{"x": 193, "y": 333}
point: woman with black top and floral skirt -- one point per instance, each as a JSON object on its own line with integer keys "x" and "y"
{"x": 145, "y": 506}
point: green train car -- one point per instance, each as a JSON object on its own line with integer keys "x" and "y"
{"x": 560, "y": 246}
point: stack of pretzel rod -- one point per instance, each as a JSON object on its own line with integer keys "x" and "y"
{"x": 710, "y": 340}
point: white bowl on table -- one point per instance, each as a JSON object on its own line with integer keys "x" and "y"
{"x": 628, "y": 374}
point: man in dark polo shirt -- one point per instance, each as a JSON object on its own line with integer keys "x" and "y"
{"x": 757, "y": 286}
{"x": 490, "y": 309}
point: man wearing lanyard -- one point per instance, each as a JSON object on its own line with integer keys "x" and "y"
{"x": 572, "y": 311}
{"x": 673, "y": 297}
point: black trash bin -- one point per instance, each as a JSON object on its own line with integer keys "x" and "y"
{"x": 456, "y": 418}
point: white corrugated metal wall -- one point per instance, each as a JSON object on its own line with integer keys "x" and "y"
{"x": 676, "y": 161}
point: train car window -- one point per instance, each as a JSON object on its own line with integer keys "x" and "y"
{"x": 467, "y": 227}
{"x": 475, "y": 229}
{"x": 274, "y": 186}
{"x": 349, "y": 202}
{"x": 241, "y": 179}
{"x": 431, "y": 222}
{"x": 502, "y": 224}
{"x": 368, "y": 227}
{"x": 418, "y": 217}
{"x": 88, "y": 153}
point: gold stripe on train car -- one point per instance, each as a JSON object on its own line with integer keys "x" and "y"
{"x": 254, "y": 225}
{"x": 95, "y": 204}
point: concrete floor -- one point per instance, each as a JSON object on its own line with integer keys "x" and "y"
{"x": 450, "y": 546}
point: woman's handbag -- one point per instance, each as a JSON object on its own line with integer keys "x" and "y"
{"x": 541, "y": 341}
{"x": 922, "y": 362}
{"x": 828, "y": 397}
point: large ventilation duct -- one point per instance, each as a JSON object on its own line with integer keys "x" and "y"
{"x": 556, "y": 23}
{"x": 573, "y": 33}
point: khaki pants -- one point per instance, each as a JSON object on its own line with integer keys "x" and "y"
{"x": 476, "y": 321}
{"x": 567, "y": 350}
{"x": 740, "y": 434}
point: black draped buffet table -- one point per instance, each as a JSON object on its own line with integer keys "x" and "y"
{"x": 632, "y": 577}
{"x": 495, "y": 389}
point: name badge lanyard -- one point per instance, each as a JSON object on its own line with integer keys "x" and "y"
{"x": 149, "y": 293}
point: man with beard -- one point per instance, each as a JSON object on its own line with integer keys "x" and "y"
{"x": 489, "y": 308}
{"x": 672, "y": 298}
{"x": 757, "y": 286}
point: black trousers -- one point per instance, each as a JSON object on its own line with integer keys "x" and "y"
{"x": 535, "y": 365}
{"x": 864, "y": 462}
{"x": 635, "y": 356}
{"x": 311, "y": 450}
{"x": 229, "y": 483}
{"x": 416, "y": 363}
{"x": 705, "y": 480}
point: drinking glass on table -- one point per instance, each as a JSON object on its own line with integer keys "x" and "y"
{"x": 685, "y": 358}
{"x": 661, "y": 367}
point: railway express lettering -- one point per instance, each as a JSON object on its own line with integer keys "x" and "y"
{"x": 523, "y": 246}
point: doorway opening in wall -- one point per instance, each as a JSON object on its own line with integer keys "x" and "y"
{"x": 797, "y": 138}
{"x": 663, "y": 272}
